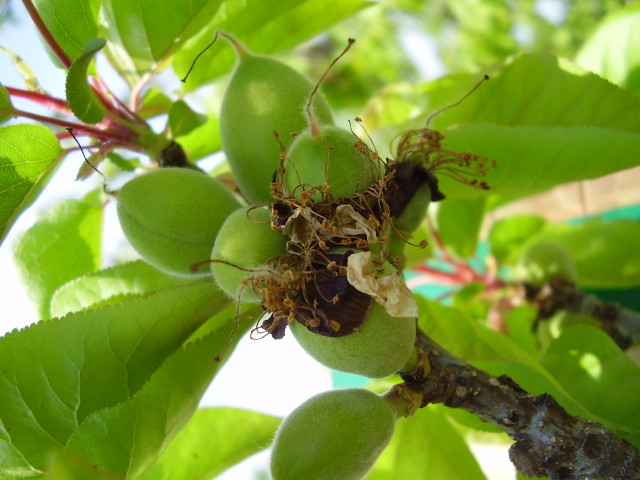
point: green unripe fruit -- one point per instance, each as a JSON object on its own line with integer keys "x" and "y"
{"x": 544, "y": 260}
{"x": 415, "y": 211}
{"x": 381, "y": 348}
{"x": 329, "y": 158}
{"x": 264, "y": 96}
{"x": 336, "y": 435}
{"x": 171, "y": 216}
{"x": 246, "y": 240}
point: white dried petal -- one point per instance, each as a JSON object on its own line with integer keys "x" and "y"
{"x": 389, "y": 290}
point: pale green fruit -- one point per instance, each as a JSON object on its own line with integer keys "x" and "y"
{"x": 545, "y": 260}
{"x": 245, "y": 240}
{"x": 264, "y": 96}
{"x": 336, "y": 435}
{"x": 381, "y": 348}
{"x": 171, "y": 216}
{"x": 348, "y": 171}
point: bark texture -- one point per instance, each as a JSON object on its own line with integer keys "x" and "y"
{"x": 548, "y": 440}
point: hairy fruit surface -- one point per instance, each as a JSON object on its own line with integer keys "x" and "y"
{"x": 263, "y": 97}
{"x": 336, "y": 435}
{"x": 171, "y": 216}
{"x": 246, "y": 240}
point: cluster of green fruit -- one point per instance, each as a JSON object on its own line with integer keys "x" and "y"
{"x": 318, "y": 260}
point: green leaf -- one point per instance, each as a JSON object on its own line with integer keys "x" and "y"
{"x": 131, "y": 435}
{"x": 72, "y": 22}
{"x": 203, "y": 140}
{"x": 56, "y": 374}
{"x": 541, "y": 118}
{"x": 424, "y": 447}
{"x": 497, "y": 354}
{"x": 509, "y": 234}
{"x": 213, "y": 440}
{"x": 459, "y": 222}
{"x": 613, "y": 50}
{"x": 111, "y": 285}
{"x": 519, "y": 322}
{"x": 183, "y": 119}
{"x": 60, "y": 246}
{"x": 83, "y": 101}
{"x": 29, "y": 154}
{"x": 605, "y": 252}
{"x": 6, "y": 109}
{"x": 532, "y": 159}
{"x": 143, "y": 35}
{"x": 258, "y": 25}
{"x": 155, "y": 102}
{"x": 69, "y": 466}
{"x": 595, "y": 370}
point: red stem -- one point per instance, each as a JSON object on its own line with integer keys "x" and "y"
{"x": 42, "y": 99}
{"x": 46, "y": 34}
{"x": 79, "y": 128}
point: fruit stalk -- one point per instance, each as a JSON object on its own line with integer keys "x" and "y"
{"x": 549, "y": 441}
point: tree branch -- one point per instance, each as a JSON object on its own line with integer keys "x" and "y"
{"x": 622, "y": 325}
{"x": 549, "y": 441}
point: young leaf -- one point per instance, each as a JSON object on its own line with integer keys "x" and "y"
{"x": 111, "y": 285}
{"x": 127, "y": 438}
{"x": 192, "y": 455}
{"x": 613, "y": 50}
{"x": 60, "y": 246}
{"x": 183, "y": 119}
{"x": 203, "y": 140}
{"x": 71, "y": 22}
{"x": 29, "y": 154}
{"x": 56, "y": 374}
{"x": 422, "y": 448}
{"x": 596, "y": 371}
{"x": 82, "y": 100}
{"x": 155, "y": 102}
{"x": 25, "y": 71}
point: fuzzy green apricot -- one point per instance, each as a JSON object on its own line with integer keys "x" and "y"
{"x": 415, "y": 211}
{"x": 263, "y": 96}
{"x": 347, "y": 172}
{"x": 381, "y": 348}
{"x": 246, "y": 240}
{"x": 544, "y": 260}
{"x": 336, "y": 435}
{"x": 171, "y": 216}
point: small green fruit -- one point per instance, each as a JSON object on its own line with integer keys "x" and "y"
{"x": 246, "y": 240}
{"x": 336, "y": 435}
{"x": 545, "y": 260}
{"x": 264, "y": 96}
{"x": 171, "y": 216}
{"x": 381, "y": 348}
{"x": 329, "y": 157}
